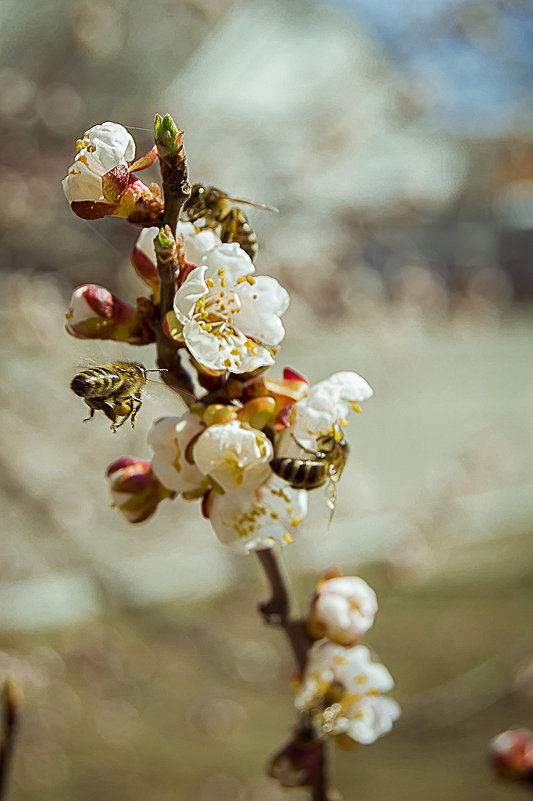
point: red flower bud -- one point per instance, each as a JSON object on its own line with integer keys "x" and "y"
{"x": 95, "y": 313}
{"x": 135, "y": 490}
{"x": 511, "y": 755}
{"x": 296, "y": 764}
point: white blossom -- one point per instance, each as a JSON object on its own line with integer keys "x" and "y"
{"x": 266, "y": 517}
{"x": 196, "y": 242}
{"x": 327, "y": 403}
{"x": 235, "y": 457}
{"x": 102, "y": 147}
{"x": 343, "y": 609}
{"x": 170, "y": 438}
{"x": 342, "y": 688}
{"x": 230, "y": 319}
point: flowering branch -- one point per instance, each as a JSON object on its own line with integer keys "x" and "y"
{"x": 250, "y": 447}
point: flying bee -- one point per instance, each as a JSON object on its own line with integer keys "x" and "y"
{"x": 114, "y": 389}
{"x": 215, "y": 208}
{"x": 326, "y": 465}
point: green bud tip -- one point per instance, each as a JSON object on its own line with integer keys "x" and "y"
{"x": 167, "y": 133}
{"x": 165, "y": 240}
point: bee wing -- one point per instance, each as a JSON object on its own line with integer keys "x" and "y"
{"x": 243, "y": 201}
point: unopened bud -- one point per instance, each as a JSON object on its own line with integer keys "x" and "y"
{"x": 511, "y": 755}
{"x": 217, "y": 413}
{"x": 135, "y": 490}
{"x": 297, "y": 763}
{"x": 259, "y": 412}
{"x": 343, "y": 609}
{"x": 95, "y": 313}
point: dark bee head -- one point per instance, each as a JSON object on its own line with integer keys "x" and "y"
{"x": 197, "y": 192}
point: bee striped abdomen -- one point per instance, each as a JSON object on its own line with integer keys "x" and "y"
{"x": 301, "y": 473}
{"x": 95, "y": 382}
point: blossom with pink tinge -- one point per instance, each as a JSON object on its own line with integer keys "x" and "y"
{"x": 342, "y": 610}
{"x": 342, "y": 690}
{"x": 101, "y": 148}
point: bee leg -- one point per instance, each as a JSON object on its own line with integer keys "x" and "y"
{"x": 137, "y": 402}
{"x": 306, "y": 450}
{"x": 91, "y": 415}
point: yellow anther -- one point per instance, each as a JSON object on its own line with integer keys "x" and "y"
{"x": 355, "y": 406}
{"x": 222, "y": 282}
{"x": 250, "y": 279}
{"x": 221, "y": 271}
{"x": 254, "y": 297}
{"x": 208, "y": 327}
{"x": 241, "y": 279}
{"x": 344, "y": 422}
{"x": 296, "y": 521}
{"x": 289, "y": 510}
{"x": 79, "y": 145}
{"x": 227, "y": 362}
{"x": 360, "y": 678}
{"x": 274, "y": 515}
{"x": 210, "y": 282}
{"x": 287, "y": 537}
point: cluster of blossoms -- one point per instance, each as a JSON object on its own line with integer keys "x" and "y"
{"x": 204, "y": 299}
{"x": 341, "y": 689}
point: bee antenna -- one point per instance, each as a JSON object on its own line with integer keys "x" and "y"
{"x": 157, "y": 370}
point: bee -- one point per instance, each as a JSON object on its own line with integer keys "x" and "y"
{"x": 326, "y": 465}
{"x": 114, "y": 389}
{"x": 215, "y": 208}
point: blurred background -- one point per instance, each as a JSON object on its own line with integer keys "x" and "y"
{"x": 397, "y": 141}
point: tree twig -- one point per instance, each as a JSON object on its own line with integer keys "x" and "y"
{"x": 277, "y": 610}
{"x": 10, "y": 705}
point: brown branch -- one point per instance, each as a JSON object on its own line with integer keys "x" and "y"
{"x": 10, "y": 706}
{"x": 276, "y": 611}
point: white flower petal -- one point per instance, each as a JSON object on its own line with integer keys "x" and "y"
{"x": 229, "y": 257}
{"x": 114, "y": 143}
{"x": 190, "y": 292}
{"x": 261, "y": 305}
{"x": 197, "y": 242}
{"x": 374, "y": 718}
{"x": 169, "y": 438}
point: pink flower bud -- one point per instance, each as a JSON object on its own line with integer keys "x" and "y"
{"x": 343, "y": 609}
{"x": 297, "y": 763}
{"x": 95, "y": 313}
{"x": 135, "y": 490}
{"x": 511, "y": 755}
